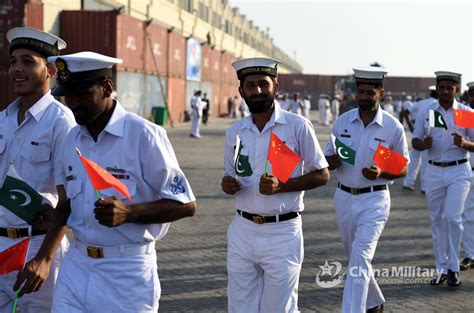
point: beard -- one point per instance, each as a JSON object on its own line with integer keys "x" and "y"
{"x": 260, "y": 104}
{"x": 367, "y": 106}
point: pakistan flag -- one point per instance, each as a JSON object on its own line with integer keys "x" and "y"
{"x": 436, "y": 120}
{"x": 241, "y": 162}
{"x": 19, "y": 197}
{"x": 345, "y": 153}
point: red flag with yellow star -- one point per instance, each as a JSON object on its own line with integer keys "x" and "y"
{"x": 13, "y": 258}
{"x": 464, "y": 118}
{"x": 389, "y": 160}
{"x": 282, "y": 158}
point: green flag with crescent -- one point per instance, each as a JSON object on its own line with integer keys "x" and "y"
{"x": 19, "y": 197}
{"x": 436, "y": 120}
{"x": 241, "y": 161}
{"x": 345, "y": 153}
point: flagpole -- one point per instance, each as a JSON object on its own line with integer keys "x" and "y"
{"x": 269, "y": 145}
{"x": 15, "y": 303}
{"x": 97, "y": 194}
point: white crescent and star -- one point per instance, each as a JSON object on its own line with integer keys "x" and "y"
{"x": 27, "y": 196}
{"x": 440, "y": 120}
{"x": 238, "y": 166}
{"x": 341, "y": 152}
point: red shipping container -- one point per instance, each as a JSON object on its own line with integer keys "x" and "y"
{"x": 156, "y": 47}
{"x": 216, "y": 65}
{"x": 226, "y": 68}
{"x": 6, "y": 90}
{"x": 176, "y": 98}
{"x": 218, "y": 108}
{"x": 177, "y": 55}
{"x": 34, "y": 15}
{"x": 206, "y": 63}
{"x": 105, "y": 32}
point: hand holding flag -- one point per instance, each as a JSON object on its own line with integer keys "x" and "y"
{"x": 389, "y": 160}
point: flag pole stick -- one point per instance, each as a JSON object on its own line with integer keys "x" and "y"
{"x": 97, "y": 194}
{"x": 269, "y": 145}
{"x": 17, "y": 293}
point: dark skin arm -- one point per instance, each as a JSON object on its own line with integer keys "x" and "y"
{"x": 270, "y": 184}
{"x": 333, "y": 161}
{"x": 421, "y": 145}
{"x": 463, "y": 143}
{"x": 374, "y": 172}
{"x": 36, "y": 271}
{"x": 113, "y": 212}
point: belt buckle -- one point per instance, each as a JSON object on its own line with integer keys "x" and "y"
{"x": 257, "y": 219}
{"x": 95, "y": 252}
{"x": 13, "y": 233}
{"x": 355, "y": 191}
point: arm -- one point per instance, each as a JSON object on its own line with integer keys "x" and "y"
{"x": 375, "y": 172}
{"x": 421, "y": 145}
{"x": 113, "y": 212}
{"x": 463, "y": 143}
{"x": 270, "y": 184}
{"x": 36, "y": 271}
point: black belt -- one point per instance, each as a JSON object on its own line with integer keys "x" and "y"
{"x": 358, "y": 191}
{"x": 446, "y": 164}
{"x": 14, "y": 233}
{"x": 260, "y": 219}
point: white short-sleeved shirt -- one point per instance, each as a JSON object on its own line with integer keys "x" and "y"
{"x": 349, "y": 129}
{"x": 417, "y": 106}
{"x": 140, "y": 155}
{"x": 443, "y": 148}
{"x": 297, "y": 133}
{"x": 34, "y": 147}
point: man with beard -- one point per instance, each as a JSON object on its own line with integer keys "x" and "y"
{"x": 448, "y": 175}
{"x": 32, "y": 134}
{"x": 111, "y": 264}
{"x": 265, "y": 240}
{"x": 362, "y": 199}
{"x": 468, "y": 215}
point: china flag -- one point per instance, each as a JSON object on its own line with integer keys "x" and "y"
{"x": 101, "y": 179}
{"x": 282, "y": 158}
{"x": 464, "y": 118}
{"x": 389, "y": 160}
{"x": 13, "y": 258}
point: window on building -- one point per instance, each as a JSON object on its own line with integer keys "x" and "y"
{"x": 216, "y": 19}
{"x": 246, "y": 38}
{"x": 187, "y": 5}
{"x": 203, "y": 12}
{"x": 237, "y": 33}
{"x": 228, "y": 27}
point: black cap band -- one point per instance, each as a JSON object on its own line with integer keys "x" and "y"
{"x": 257, "y": 70}
{"x": 369, "y": 81}
{"x": 43, "y": 48}
{"x": 457, "y": 80}
{"x": 66, "y": 78}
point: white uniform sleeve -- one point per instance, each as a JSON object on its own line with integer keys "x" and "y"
{"x": 63, "y": 125}
{"x": 329, "y": 147}
{"x": 311, "y": 151}
{"x": 400, "y": 144}
{"x": 419, "y": 131}
{"x": 160, "y": 168}
{"x": 229, "y": 151}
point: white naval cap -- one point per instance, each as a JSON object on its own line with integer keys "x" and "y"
{"x": 432, "y": 88}
{"x": 408, "y": 98}
{"x": 470, "y": 85}
{"x": 78, "y": 71}
{"x": 256, "y": 66}
{"x": 36, "y": 40}
{"x": 446, "y": 75}
{"x": 324, "y": 96}
{"x": 370, "y": 75}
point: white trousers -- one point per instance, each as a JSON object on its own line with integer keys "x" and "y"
{"x": 263, "y": 266}
{"x": 418, "y": 163}
{"x": 196, "y": 123}
{"x": 468, "y": 224}
{"x": 361, "y": 220}
{"x": 109, "y": 285}
{"x": 446, "y": 193}
{"x": 36, "y": 302}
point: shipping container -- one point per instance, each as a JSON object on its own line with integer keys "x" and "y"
{"x": 176, "y": 56}
{"x": 6, "y": 90}
{"x": 155, "y": 93}
{"x": 216, "y": 66}
{"x": 156, "y": 50}
{"x": 131, "y": 91}
{"x": 108, "y": 33}
{"x": 176, "y": 98}
{"x": 217, "y": 107}
{"x": 206, "y": 63}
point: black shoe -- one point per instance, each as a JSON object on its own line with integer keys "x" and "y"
{"x": 466, "y": 264}
{"x": 377, "y": 309}
{"x": 439, "y": 280}
{"x": 453, "y": 279}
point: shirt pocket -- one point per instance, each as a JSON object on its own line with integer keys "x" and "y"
{"x": 110, "y": 192}
{"x": 36, "y": 156}
{"x": 73, "y": 189}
